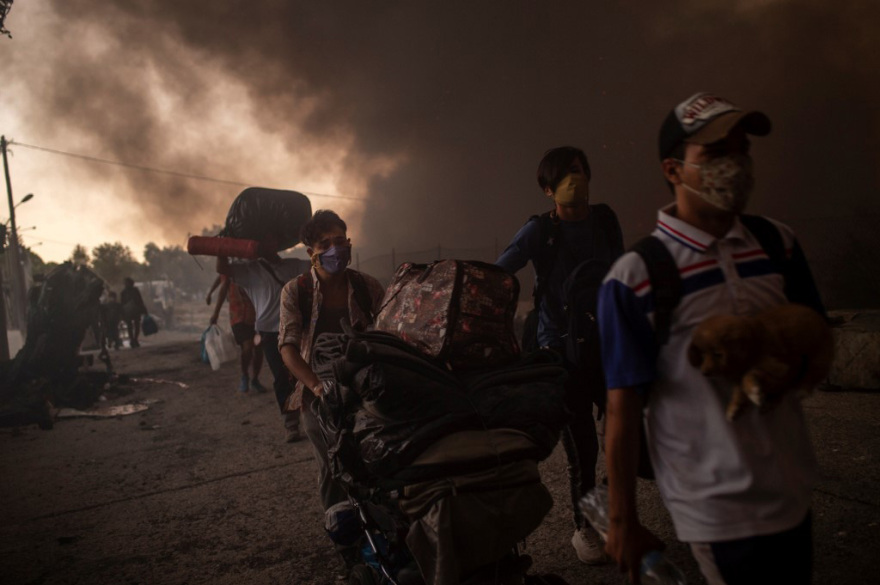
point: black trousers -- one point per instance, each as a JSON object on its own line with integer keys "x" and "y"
{"x": 784, "y": 557}
{"x": 281, "y": 377}
{"x": 579, "y": 439}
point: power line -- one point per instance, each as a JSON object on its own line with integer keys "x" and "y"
{"x": 42, "y": 239}
{"x": 161, "y": 171}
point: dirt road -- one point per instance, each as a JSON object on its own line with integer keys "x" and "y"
{"x": 201, "y": 488}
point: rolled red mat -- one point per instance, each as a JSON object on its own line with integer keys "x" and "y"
{"x": 219, "y": 246}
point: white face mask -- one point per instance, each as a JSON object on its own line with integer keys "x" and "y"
{"x": 727, "y": 181}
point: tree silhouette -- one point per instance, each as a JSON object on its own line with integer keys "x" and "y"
{"x": 113, "y": 262}
{"x": 80, "y": 256}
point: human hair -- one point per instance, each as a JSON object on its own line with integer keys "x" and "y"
{"x": 555, "y": 164}
{"x": 323, "y": 221}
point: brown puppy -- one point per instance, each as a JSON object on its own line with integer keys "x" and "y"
{"x": 788, "y": 347}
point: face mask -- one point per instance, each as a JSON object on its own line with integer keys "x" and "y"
{"x": 727, "y": 181}
{"x": 572, "y": 190}
{"x": 334, "y": 260}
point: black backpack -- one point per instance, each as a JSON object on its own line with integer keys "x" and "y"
{"x": 580, "y": 292}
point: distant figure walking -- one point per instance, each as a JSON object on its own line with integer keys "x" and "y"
{"x": 242, "y": 317}
{"x": 133, "y": 308}
{"x": 111, "y": 315}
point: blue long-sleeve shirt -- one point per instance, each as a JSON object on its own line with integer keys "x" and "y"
{"x": 599, "y": 236}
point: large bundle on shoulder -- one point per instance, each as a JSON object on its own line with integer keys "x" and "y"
{"x": 260, "y": 221}
{"x": 274, "y": 217}
{"x": 444, "y": 360}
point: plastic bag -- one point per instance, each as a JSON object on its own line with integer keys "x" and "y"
{"x": 203, "y": 351}
{"x": 220, "y": 346}
{"x": 149, "y": 325}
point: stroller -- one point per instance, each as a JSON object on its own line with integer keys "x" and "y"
{"x": 441, "y": 469}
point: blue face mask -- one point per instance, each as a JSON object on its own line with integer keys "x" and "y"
{"x": 335, "y": 259}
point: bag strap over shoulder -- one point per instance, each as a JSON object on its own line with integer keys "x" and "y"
{"x": 799, "y": 286}
{"x": 768, "y": 237}
{"x": 549, "y": 233}
{"x": 362, "y": 294}
{"x": 271, "y": 271}
{"x": 666, "y": 280}
{"x": 304, "y": 291}
{"x": 665, "y": 283}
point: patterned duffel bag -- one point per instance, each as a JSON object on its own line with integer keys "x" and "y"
{"x": 460, "y": 312}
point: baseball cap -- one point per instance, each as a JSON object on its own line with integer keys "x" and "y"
{"x": 705, "y": 118}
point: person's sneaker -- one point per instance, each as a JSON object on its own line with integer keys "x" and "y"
{"x": 292, "y": 434}
{"x": 257, "y": 387}
{"x": 243, "y": 386}
{"x": 589, "y": 546}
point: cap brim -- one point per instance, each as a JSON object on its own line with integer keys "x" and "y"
{"x": 754, "y": 123}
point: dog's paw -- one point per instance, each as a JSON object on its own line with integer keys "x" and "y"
{"x": 735, "y": 405}
{"x": 752, "y": 388}
{"x": 732, "y": 411}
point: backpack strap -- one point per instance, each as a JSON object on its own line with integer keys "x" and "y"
{"x": 799, "y": 286}
{"x": 304, "y": 295}
{"x": 769, "y": 238}
{"x": 271, "y": 272}
{"x": 665, "y": 283}
{"x": 362, "y": 295}
{"x": 666, "y": 280}
{"x": 603, "y": 215}
{"x": 549, "y": 233}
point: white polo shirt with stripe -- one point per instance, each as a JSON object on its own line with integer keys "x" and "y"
{"x": 720, "y": 480}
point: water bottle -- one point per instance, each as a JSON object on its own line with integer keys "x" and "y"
{"x": 655, "y": 568}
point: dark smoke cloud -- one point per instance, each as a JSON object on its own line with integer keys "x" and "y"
{"x": 466, "y": 96}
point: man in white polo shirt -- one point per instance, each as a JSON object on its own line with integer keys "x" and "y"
{"x": 738, "y": 492}
{"x": 262, "y": 281}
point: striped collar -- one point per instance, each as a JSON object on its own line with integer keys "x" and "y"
{"x": 689, "y": 236}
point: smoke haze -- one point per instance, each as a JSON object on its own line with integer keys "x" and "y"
{"x": 437, "y": 113}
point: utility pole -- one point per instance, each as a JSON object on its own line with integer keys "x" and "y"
{"x": 17, "y": 270}
{"x": 4, "y": 340}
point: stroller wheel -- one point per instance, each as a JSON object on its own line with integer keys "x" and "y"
{"x": 362, "y": 575}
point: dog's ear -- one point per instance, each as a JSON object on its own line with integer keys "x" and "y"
{"x": 695, "y": 356}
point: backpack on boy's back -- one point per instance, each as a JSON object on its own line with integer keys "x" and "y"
{"x": 458, "y": 312}
{"x": 581, "y": 293}
{"x": 580, "y": 290}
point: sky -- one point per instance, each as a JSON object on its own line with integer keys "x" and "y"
{"x": 422, "y": 123}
